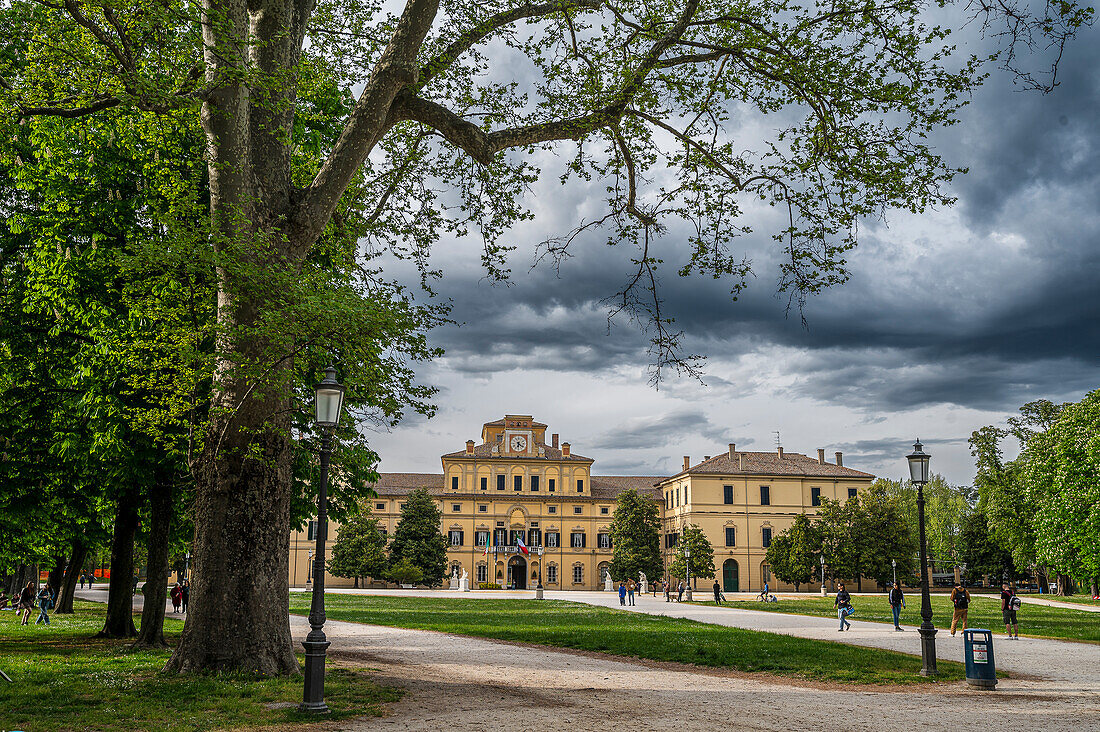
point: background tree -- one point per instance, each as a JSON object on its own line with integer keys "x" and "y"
{"x": 852, "y": 91}
{"x": 883, "y": 534}
{"x": 981, "y": 553}
{"x": 1060, "y": 471}
{"x": 702, "y": 554}
{"x": 838, "y": 525}
{"x": 404, "y": 572}
{"x": 418, "y": 540}
{"x": 635, "y": 537}
{"x": 360, "y": 548}
{"x": 793, "y": 554}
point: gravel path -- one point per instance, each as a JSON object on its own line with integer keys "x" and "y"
{"x": 459, "y": 683}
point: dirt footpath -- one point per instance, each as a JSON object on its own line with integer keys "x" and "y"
{"x": 461, "y": 683}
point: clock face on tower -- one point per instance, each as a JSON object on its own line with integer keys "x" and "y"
{"x": 518, "y": 443}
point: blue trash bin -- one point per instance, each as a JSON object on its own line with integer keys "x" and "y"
{"x": 981, "y": 671}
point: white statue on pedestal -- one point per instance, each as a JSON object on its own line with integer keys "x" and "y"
{"x": 608, "y": 585}
{"x": 645, "y": 587}
{"x": 464, "y": 581}
{"x": 454, "y": 578}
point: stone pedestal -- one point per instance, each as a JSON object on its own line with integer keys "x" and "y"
{"x": 823, "y": 593}
{"x": 538, "y": 593}
{"x": 687, "y": 594}
{"x": 608, "y": 585}
{"x": 645, "y": 587}
{"x": 464, "y": 584}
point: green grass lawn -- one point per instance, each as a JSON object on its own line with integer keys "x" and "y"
{"x": 1076, "y": 599}
{"x": 66, "y": 680}
{"x": 1041, "y": 621}
{"x": 587, "y": 628}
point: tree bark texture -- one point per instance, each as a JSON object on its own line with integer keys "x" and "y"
{"x": 68, "y": 584}
{"x": 57, "y": 573}
{"x": 1065, "y": 585}
{"x": 161, "y": 509}
{"x": 120, "y": 603}
{"x": 237, "y": 616}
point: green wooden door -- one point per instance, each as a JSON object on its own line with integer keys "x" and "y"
{"x": 729, "y": 576}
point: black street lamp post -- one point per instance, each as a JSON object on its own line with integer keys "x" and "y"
{"x": 918, "y": 474}
{"x": 329, "y": 401}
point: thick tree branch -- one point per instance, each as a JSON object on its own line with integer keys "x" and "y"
{"x": 370, "y": 119}
{"x": 475, "y": 35}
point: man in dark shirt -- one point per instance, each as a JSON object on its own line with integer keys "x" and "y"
{"x": 897, "y": 602}
{"x": 717, "y": 593}
{"x": 1008, "y": 611}
{"x": 843, "y": 604}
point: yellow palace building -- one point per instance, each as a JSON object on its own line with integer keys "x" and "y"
{"x": 514, "y": 484}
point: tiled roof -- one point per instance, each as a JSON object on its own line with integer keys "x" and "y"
{"x": 485, "y": 450}
{"x": 500, "y": 423}
{"x": 610, "y": 486}
{"x": 604, "y": 487}
{"x": 769, "y": 463}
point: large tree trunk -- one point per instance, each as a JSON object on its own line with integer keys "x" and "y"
{"x": 57, "y": 573}
{"x": 1093, "y": 587}
{"x": 68, "y": 584}
{"x": 120, "y": 599}
{"x": 237, "y": 617}
{"x": 1065, "y": 585}
{"x": 161, "y": 508}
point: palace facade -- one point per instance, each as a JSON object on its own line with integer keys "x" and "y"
{"x": 515, "y": 484}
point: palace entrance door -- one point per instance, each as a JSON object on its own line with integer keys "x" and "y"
{"x": 729, "y": 576}
{"x": 517, "y": 573}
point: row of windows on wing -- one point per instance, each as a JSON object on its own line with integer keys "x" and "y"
{"x": 484, "y": 508}
{"x": 517, "y": 483}
{"x": 673, "y": 538}
{"x": 672, "y": 498}
{"x": 531, "y": 537}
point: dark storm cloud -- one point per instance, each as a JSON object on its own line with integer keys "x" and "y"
{"x": 891, "y": 451}
{"x": 997, "y": 309}
{"x": 661, "y": 430}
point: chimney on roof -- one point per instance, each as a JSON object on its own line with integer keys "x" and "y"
{"x": 469, "y": 447}
{"x": 554, "y": 439}
{"x": 780, "y": 450}
{"x": 821, "y": 456}
{"x": 706, "y": 457}
{"x": 687, "y": 462}
{"x": 740, "y": 461}
{"x": 565, "y": 449}
{"x": 733, "y": 449}
{"x": 840, "y": 460}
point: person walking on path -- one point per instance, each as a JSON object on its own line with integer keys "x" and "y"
{"x": 630, "y": 592}
{"x": 668, "y": 590}
{"x": 26, "y": 602}
{"x": 717, "y": 593}
{"x": 1009, "y": 605}
{"x": 622, "y": 594}
{"x": 764, "y": 592}
{"x": 843, "y": 605}
{"x": 82, "y": 580}
{"x": 960, "y": 598}
{"x": 680, "y": 592}
{"x": 177, "y": 597}
{"x": 897, "y": 602}
{"x": 185, "y": 594}
{"x": 45, "y": 602}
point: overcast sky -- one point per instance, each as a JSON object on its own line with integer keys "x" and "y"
{"x": 951, "y": 320}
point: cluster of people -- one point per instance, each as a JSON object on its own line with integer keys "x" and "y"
{"x": 86, "y": 578}
{"x": 24, "y": 601}
{"x": 626, "y": 592}
{"x": 960, "y": 600}
{"x": 670, "y": 589}
{"x": 181, "y": 592}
